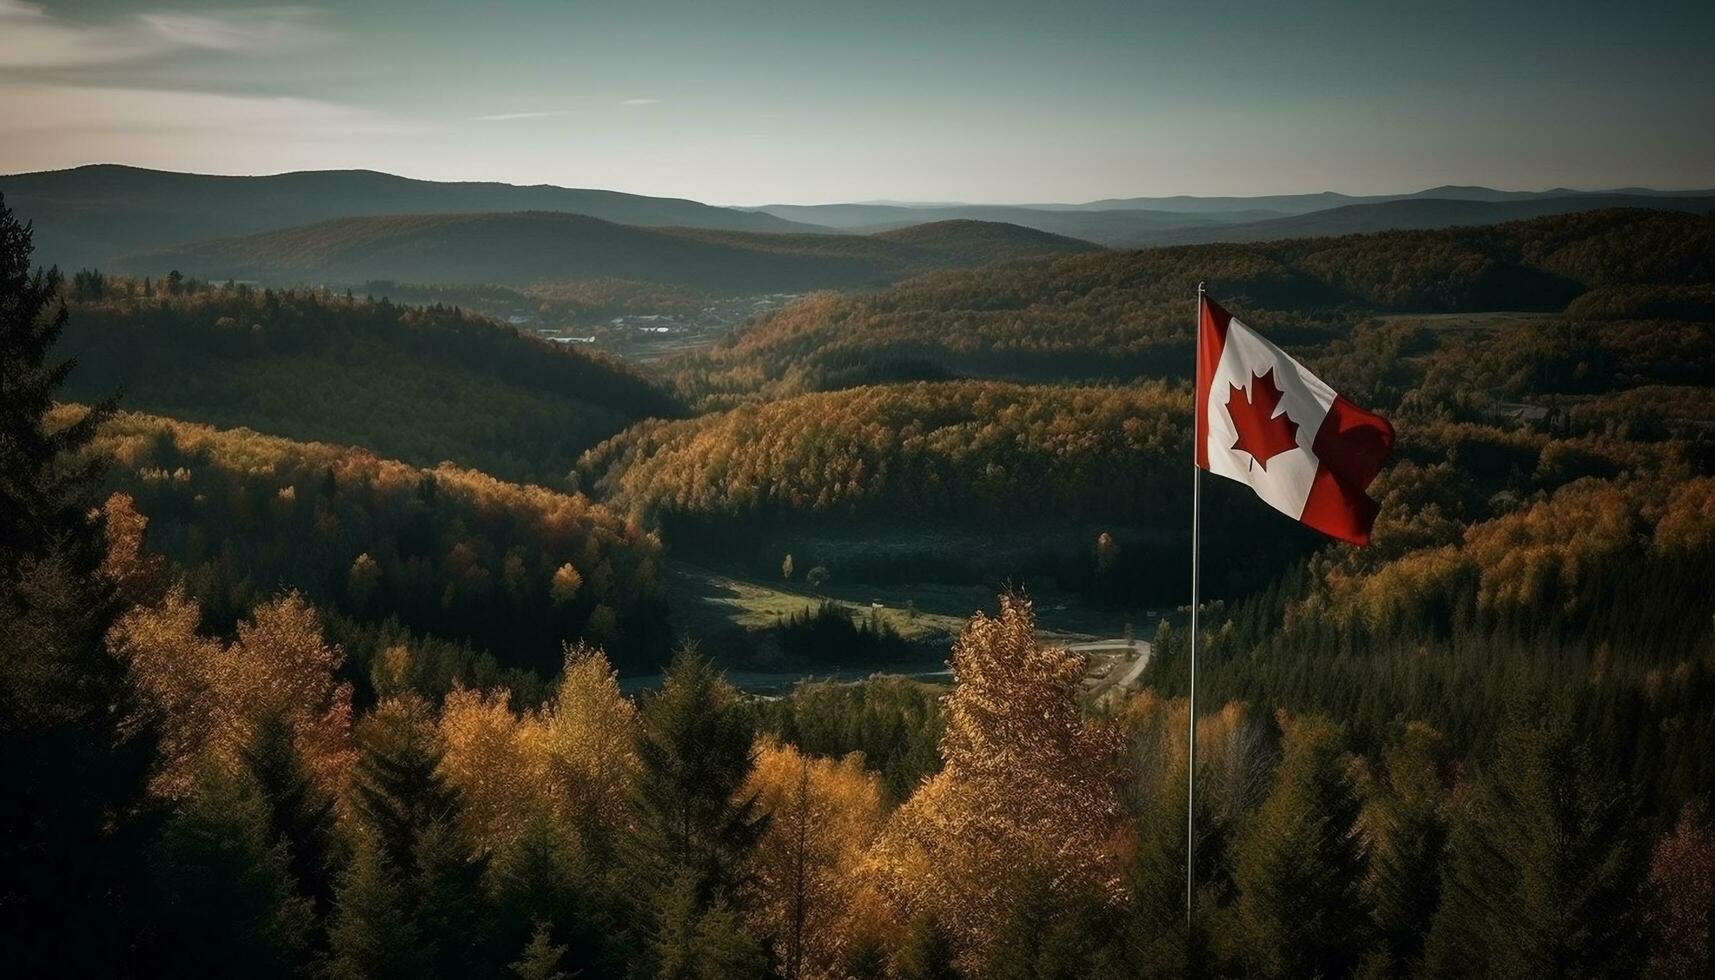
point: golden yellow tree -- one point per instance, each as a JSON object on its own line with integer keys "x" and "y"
{"x": 176, "y": 671}
{"x": 585, "y": 736}
{"x": 491, "y": 758}
{"x": 207, "y": 698}
{"x": 1029, "y": 790}
{"x": 824, "y": 815}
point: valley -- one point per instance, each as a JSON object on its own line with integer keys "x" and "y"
{"x": 857, "y": 491}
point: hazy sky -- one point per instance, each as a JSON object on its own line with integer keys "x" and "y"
{"x": 750, "y": 102}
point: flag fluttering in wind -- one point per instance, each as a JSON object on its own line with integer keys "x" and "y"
{"x": 1265, "y": 421}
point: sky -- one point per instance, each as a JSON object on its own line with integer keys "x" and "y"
{"x": 750, "y": 102}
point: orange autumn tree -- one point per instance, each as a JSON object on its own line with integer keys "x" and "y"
{"x": 571, "y": 762}
{"x": 208, "y": 697}
{"x": 490, "y": 758}
{"x": 1028, "y": 792}
{"x": 587, "y": 738}
{"x": 824, "y": 813}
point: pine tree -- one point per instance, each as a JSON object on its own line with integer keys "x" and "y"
{"x": 1407, "y": 827}
{"x": 694, "y": 752}
{"x": 373, "y": 935}
{"x": 542, "y": 959}
{"x": 695, "y": 823}
{"x": 300, "y": 815}
{"x": 226, "y": 901}
{"x": 1543, "y": 869}
{"x": 416, "y": 873}
{"x": 396, "y": 787}
{"x": 450, "y": 913}
{"x": 539, "y": 883}
{"x": 74, "y": 755}
{"x": 1298, "y": 866}
{"x": 1049, "y": 936}
{"x": 693, "y": 940}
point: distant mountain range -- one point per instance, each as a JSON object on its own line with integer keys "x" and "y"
{"x": 349, "y": 225}
{"x": 542, "y": 246}
{"x": 1287, "y": 204}
{"x": 87, "y": 216}
{"x": 1418, "y": 214}
{"x": 1137, "y": 222}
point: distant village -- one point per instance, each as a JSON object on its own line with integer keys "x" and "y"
{"x": 654, "y": 334}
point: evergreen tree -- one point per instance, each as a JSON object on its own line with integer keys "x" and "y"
{"x": 542, "y": 959}
{"x": 864, "y": 959}
{"x": 450, "y": 913}
{"x": 1162, "y": 945}
{"x": 416, "y": 875}
{"x": 694, "y": 940}
{"x": 1299, "y": 866}
{"x": 1543, "y": 870}
{"x": 540, "y": 884}
{"x": 1407, "y": 829}
{"x": 73, "y": 755}
{"x": 373, "y": 935}
{"x": 1047, "y": 936}
{"x": 396, "y": 788}
{"x": 226, "y": 903}
{"x": 300, "y": 815}
{"x": 694, "y": 822}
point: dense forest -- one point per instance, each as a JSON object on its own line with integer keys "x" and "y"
{"x": 288, "y": 708}
{"x": 421, "y": 384}
{"x": 534, "y": 246}
{"x": 445, "y": 552}
{"x": 1120, "y": 315}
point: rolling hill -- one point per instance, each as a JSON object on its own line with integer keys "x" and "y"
{"x": 1419, "y": 213}
{"x": 1290, "y": 204}
{"x": 536, "y": 246}
{"x": 444, "y": 551}
{"x": 1136, "y": 222}
{"x": 1119, "y": 315}
{"x": 86, "y": 216}
{"x": 419, "y": 384}
{"x": 1120, "y": 227}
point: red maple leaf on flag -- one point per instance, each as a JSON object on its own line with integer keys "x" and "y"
{"x": 1260, "y": 432}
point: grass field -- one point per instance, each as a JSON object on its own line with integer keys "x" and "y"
{"x": 706, "y": 601}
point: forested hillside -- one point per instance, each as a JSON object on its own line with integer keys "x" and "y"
{"x": 529, "y": 247}
{"x": 421, "y": 384}
{"x": 1119, "y": 315}
{"x": 443, "y": 552}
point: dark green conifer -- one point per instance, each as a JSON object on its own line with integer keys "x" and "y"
{"x": 694, "y": 823}
{"x": 373, "y": 935}
{"x": 1298, "y": 866}
{"x": 300, "y": 815}
{"x": 225, "y": 900}
{"x": 1544, "y": 867}
{"x": 71, "y": 842}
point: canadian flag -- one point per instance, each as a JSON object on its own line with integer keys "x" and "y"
{"x": 1265, "y": 421}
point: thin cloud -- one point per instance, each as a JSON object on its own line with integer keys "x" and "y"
{"x": 639, "y": 101}
{"x": 265, "y": 29}
{"x": 506, "y": 116}
{"x": 113, "y": 116}
{"x": 32, "y": 38}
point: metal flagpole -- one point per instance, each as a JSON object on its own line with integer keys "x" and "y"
{"x": 1196, "y": 582}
